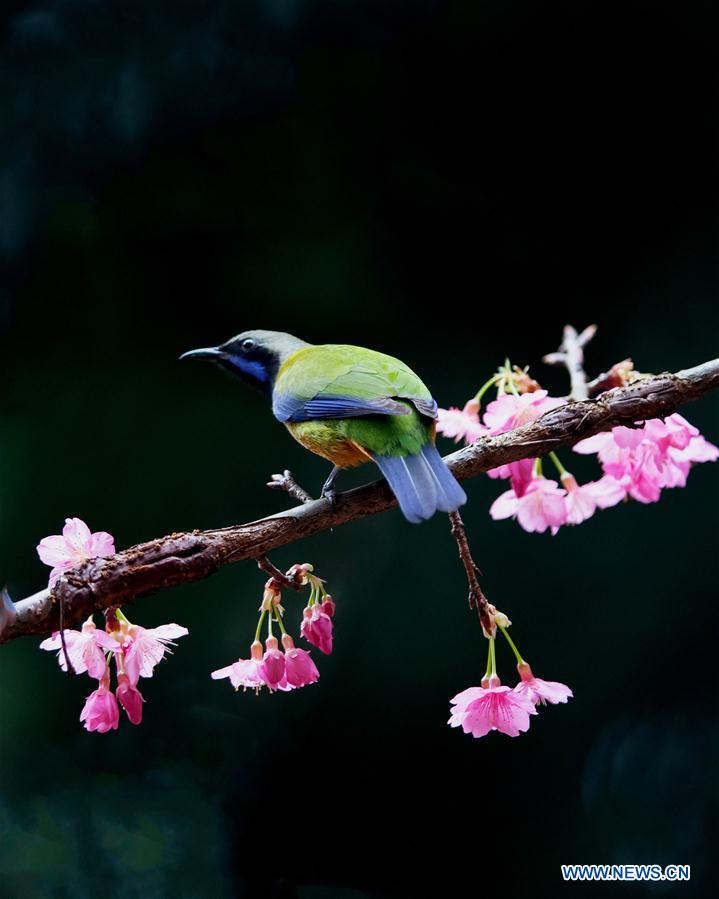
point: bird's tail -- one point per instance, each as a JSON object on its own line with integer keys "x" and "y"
{"x": 422, "y": 483}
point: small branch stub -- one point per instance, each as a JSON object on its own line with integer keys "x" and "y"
{"x": 281, "y": 580}
{"x": 571, "y": 355}
{"x": 286, "y": 482}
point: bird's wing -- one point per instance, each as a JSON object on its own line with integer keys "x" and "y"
{"x": 325, "y": 382}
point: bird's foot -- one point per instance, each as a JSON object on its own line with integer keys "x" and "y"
{"x": 328, "y": 488}
{"x": 286, "y": 482}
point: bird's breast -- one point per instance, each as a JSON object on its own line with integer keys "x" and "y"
{"x": 326, "y": 439}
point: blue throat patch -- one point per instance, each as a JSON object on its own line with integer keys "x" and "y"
{"x": 252, "y": 368}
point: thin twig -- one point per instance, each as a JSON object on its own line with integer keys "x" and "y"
{"x": 571, "y": 355}
{"x": 184, "y": 557}
{"x": 280, "y": 579}
{"x": 286, "y": 482}
{"x": 477, "y": 599}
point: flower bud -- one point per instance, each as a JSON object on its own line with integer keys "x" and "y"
{"x": 525, "y": 672}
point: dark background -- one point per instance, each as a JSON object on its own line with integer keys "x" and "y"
{"x": 446, "y": 181}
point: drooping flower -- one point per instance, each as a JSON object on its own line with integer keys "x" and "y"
{"x": 146, "y": 647}
{"x": 583, "y": 500}
{"x": 537, "y": 690}
{"x": 129, "y": 698}
{"x": 86, "y": 648}
{"x": 520, "y": 474}
{"x": 478, "y": 710}
{"x": 244, "y": 672}
{"x": 461, "y": 424}
{"x": 100, "y": 712}
{"x": 299, "y": 667}
{"x": 317, "y": 624}
{"x": 541, "y": 506}
{"x": 272, "y": 669}
{"x": 135, "y": 651}
{"x": 73, "y": 547}
{"x": 509, "y": 411}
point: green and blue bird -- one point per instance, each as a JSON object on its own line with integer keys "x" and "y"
{"x": 349, "y": 405}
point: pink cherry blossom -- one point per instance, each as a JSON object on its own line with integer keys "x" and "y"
{"x": 86, "y": 649}
{"x": 461, "y": 424}
{"x": 73, "y": 547}
{"x": 146, "y": 647}
{"x": 300, "y": 668}
{"x": 537, "y": 690}
{"x": 478, "y": 710}
{"x": 542, "y": 506}
{"x": 100, "y": 712}
{"x": 244, "y": 672}
{"x": 509, "y": 411}
{"x": 583, "y": 500}
{"x": 272, "y": 669}
{"x": 520, "y": 473}
{"x": 129, "y": 698}
{"x": 317, "y": 625}
{"x": 647, "y": 459}
{"x": 697, "y": 450}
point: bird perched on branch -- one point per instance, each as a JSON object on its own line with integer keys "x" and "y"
{"x": 350, "y": 405}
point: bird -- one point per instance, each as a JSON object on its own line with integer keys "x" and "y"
{"x": 350, "y": 405}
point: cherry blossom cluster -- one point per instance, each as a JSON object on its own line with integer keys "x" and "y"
{"x": 493, "y": 706}
{"x": 636, "y": 462}
{"x": 287, "y": 668}
{"x": 134, "y": 650}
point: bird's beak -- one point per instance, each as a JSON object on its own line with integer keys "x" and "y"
{"x": 213, "y": 353}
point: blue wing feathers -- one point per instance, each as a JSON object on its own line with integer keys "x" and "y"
{"x": 422, "y": 483}
{"x": 288, "y": 408}
{"x": 426, "y": 407}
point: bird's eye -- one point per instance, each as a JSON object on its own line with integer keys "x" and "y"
{"x": 248, "y": 344}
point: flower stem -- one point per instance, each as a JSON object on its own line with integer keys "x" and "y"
{"x": 493, "y": 656}
{"x": 520, "y": 660}
{"x": 537, "y": 473}
{"x": 259, "y": 625}
{"x": 488, "y": 670}
{"x": 281, "y": 623}
{"x": 557, "y": 463}
{"x": 485, "y": 387}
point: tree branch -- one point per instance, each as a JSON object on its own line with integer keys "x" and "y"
{"x": 183, "y": 557}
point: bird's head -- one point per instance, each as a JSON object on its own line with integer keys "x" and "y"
{"x": 255, "y": 356}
